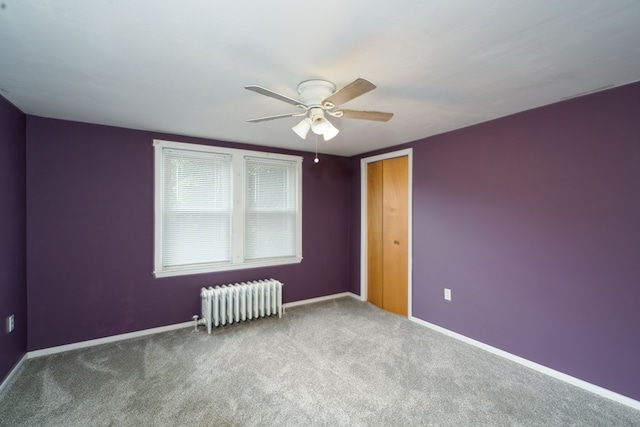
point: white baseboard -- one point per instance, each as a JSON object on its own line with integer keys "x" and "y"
{"x": 105, "y": 340}
{"x": 113, "y": 338}
{"x": 627, "y": 401}
{"x": 320, "y": 299}
{"x": 13, "y": 373}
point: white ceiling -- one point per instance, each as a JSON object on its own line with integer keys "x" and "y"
{"x": 180, "y": 66}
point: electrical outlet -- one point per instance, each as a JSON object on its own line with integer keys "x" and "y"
{"x": 447, "y": 294}
{"x": 10, "y": 324}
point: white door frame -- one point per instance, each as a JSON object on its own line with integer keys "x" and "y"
{"x": 363, "y": 221}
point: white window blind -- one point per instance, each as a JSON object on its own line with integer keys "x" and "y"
{"x": 197, "y": 208}
{"x": 221, "y": 209}
{"x": 270, "y": 209}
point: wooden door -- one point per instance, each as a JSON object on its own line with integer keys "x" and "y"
{"x": 387, "y": 228}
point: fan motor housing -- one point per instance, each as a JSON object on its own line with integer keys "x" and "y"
{"x": 313, "y": 92}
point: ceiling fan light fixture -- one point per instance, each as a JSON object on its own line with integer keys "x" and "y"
{"x": 302, "y": 128}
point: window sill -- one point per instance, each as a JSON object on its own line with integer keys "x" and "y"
{"x": 226, "y": 267}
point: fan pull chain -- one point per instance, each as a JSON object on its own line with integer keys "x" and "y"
{"x": 316, "y": 160}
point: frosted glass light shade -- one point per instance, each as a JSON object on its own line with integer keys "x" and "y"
{"x": 331, "y": 132}
{"x": 302, "y": 128}
{"x": 320, "y": 125}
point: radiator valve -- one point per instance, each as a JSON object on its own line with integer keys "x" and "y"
{"x": 195, "y": 322}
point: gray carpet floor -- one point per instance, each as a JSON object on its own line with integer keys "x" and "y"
{"x": 336, "y": 363}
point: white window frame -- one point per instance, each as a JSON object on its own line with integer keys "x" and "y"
{"x": 238, "y": 190}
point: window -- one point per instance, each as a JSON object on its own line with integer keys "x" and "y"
{"x": 221, "y": 209}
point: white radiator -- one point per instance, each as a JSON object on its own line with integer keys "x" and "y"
{"x": 241, "y": 301}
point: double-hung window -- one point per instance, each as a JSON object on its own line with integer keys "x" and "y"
{"x": 221, "y": 209}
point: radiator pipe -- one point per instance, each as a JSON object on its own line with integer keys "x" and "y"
{"x": 197, "y": 322}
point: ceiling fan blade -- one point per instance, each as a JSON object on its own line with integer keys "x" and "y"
{"x": 268, "y": 92}
{"x": 279, "y": 116}
{"x": 354, "y": 89}
{"x": 377, "y": 116}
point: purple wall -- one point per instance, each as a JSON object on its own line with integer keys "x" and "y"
{"x": 90, "y": 235}
{"x": 13, "y": 265}
{"x": 533, "y": 221}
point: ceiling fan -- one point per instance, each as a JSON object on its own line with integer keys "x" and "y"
{"x": 318, "y": 97}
